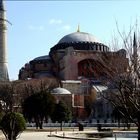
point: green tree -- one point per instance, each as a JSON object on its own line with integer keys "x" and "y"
{"x": 12, "y": 124}
{"x": 38, "y": 107}
{"x": 61, "y": 113}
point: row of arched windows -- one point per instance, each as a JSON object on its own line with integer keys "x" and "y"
{"x": 82, "y": 46}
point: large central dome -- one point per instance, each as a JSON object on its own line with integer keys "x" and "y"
{"x": 80, "y": 41}
{"x": 78, "y": 37}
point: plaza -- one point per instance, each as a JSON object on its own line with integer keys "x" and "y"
{"x": 67, "y": 135}
{"x": 71, "y": 133}
{"x": 33, "y": 135}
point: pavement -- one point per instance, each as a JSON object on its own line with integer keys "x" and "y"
{"x": 38, "y": 136}
{"x": 52, "y": 135}
{"x": 35, "y": 136}
{"x": 58, "y": 135}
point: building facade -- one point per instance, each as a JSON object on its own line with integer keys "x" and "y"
{"x": 81, "y": 63}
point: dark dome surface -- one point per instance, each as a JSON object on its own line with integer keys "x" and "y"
{"x": 78, "y": 37}
{"x": 80, "y": 41}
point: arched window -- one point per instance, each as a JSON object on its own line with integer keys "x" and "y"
{"x": 86, "y": 68}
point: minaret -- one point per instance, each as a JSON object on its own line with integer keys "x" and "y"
{"x": 3, "y": 56}
{"x": 135, "y": 53}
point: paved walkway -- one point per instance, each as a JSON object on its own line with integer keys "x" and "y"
{"x": 36, "y": 136}
{"x": 48, "y": 136}
{"x": 39, "y": 136}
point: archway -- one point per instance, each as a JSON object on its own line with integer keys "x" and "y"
{"x": 87, "y": 68}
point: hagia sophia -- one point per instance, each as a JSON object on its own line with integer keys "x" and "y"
{"x": 76, "y": 56}
{"x": 83, "y": 65}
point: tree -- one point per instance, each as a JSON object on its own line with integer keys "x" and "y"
{"x": 63, "y": 113}
{"x": 12, "y": 124}
{"x": 38, "y": 107}
{"x": 123, "y": 76}
{"x": 29, "y": 87}
{"x": 6, "y": 95}
{"x": 127, "y": 100}
{"x": 117, "y": 115}
{"x": 126, "y": 92}
{"x": 10, "y": 97}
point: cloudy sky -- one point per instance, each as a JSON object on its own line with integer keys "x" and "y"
{"x": 39, "y": 25}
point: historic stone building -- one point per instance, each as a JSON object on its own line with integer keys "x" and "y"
{"x": 82, "y": 64}
{"x": 77, "y": 55}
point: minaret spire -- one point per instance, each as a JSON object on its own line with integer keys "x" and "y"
{"x": 3, "y": 57}
{"x": 135, "y": 52}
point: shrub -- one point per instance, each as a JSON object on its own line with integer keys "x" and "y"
{"x": 12, "y": 124}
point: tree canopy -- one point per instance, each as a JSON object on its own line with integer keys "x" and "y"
{"x": 62, "y": 111}
{"x": 38, "y": 106}
{"x": 12, "y": 124}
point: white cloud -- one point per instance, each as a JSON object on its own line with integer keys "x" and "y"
{"x": 67, "y": 27}
{"x": 39, "y": 28}
{"x": 61, "y": 24}
{"x": 55, "y": 21}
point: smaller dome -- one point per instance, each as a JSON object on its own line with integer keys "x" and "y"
{"x": 60, "y": 91}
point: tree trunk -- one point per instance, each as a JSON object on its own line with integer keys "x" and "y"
{"x": 118, "y": 122}
{"x": 37, "y": 125}
{"x": 11, "y": 137}
{"x": 61, "y": 124}
{"x": 41, "y": 124}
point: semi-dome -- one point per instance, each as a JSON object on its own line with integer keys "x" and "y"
{"x": 60, "y": 91}
{"x": 42, "y": 57}
{"x": 78, "y": 37}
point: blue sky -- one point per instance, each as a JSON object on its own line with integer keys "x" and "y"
{"x": 39, "y": 25}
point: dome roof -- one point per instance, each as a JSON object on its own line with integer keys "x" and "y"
{"x": 80, "y": 41}
{"x": 78, "y": 37}
{"x": 60, "y": 91}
